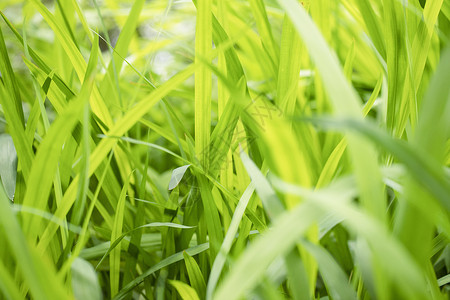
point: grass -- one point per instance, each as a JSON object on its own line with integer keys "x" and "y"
{"x": 261, "y": 149}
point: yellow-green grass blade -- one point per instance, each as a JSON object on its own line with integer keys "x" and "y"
{"x": 254, "y": 205}
{"x": 345, "y": 103}
{"x": 394, "y": 30}
{"x": 14, "y": 117}
{"x": 114, "y": 259}
{"x": 120, "y": 51}
{"x": 97, "y": 104}
{"x": 38, "y": 60}
{"x": 66, "y": 20}
{"x": 434, "y": 116}
{"x": 223, "y": 94}
{"x": 84, "y": 233}
{"x": 113, "y": 90}
{"x": 31, "y": 130}
{"x": 185, "y": 291}
{"x": 426, "y": 171}
{"x": 163, "y": 263}
{"x": 265, "y": 30}
{"x": 234, "y": 67}
{"x": 10, "y": 81}
{"x": 48, "y": 81}
{"x": 64, "y": 37}
{"x": 289, "y": 68}
{"x": 195, "y": 275}
{"x": 33, "y": 269}
{"x": 251, "y": 51}
{"x": 8, "y": 287}
{"x": 320, "y": 12}
{"x": 334, "y": 277}
{"x": 82, "y": 19}
{"x": 131, "y": 260}
{"x": 39, "y": 99}
{"x": 446, "y": 9}
{"x": 331, "y": 165}
{"x": 276, "y": 132}
{"x": 211, "y": 215}
{"x": 220, "y": 260}
{"x": 349, "y": 61}
{"x": 270, "y": 200}
{"x": 120, "y": 128}
{"x": 373, "y": 24}
{"x": 250, "y": 213}
{"x": 253, "y": 263}
{"x": 117, "y": 241}
{"x": 203, "y": 80}
{"x": 421, "y": 47}
{"x": 45, "y": 163}
{"x": 407, "y": 277}
{"x": 302, "y": 270}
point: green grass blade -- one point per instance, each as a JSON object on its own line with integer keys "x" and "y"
{"x": 163, "y": 263}
{"x": 332, "y": 274}
{"x": 10, "y": 81}
{"x": 426, "y": 171}
{"x": 203, "y": 80}
{"x": 85, "y": 283}
{"x": 25, "y": 259}
{"x": 114, "y": 259}
{"x": 282, "y": 237}
{"x": 195, "y": 275}
{"x": 8, "y": 287}
{"x": 120, "y": 51}
{"x": 289, "y": 68}
{"x": 271, "y": 203}
{"x": 345, "y": 103}
{"x": 97, "y": 104}
{"x": 186, "y": 292}
{"x": 122, "y": 236}
{"x": 265, "y": 31}
{"x": 220, "y": 260}
{"x": 373, "y": 24}
{"x": 45, "y": 163}
{"x": 211, "y": 214}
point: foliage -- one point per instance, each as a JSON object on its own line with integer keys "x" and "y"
{"x": 225, "y": 149}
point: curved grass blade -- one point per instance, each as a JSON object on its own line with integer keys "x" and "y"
{"x": 195, "y": 275}
{"x": 252, "y": 264}
{"x": 121, "y": 127}
{"x": 219, "y": 262}
{"x": 32, "y": 268}
{"x": 10, "y": 82}
{"x": 186, "y": 292}
{"x": 333, "y": 276}
{"x": 163, "y": 263}
{"x": 85, "y": 283}
{"x": 345, "y": 102}
{"x": 8, "y": 287}
{"x": 114, "y": 259}
{"x": 203, "y": 80}
{"x": 46, "y": 161}
{"x": 121, "y": 237}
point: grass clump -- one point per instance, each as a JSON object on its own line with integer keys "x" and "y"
{"x": 224, "y": 149}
